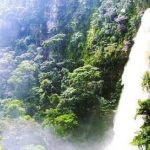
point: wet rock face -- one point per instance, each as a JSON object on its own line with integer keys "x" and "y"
{"x": 51, "y": 14}
{"x": 122, "y": 28}
{"x": 122, "y": 23}
{"x": 121, "y": 19}
{"x": 128, "y": 45}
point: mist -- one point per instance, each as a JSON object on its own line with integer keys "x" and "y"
{"x": 9, "y": 25}
{"x": 15, "y": 17}
{"x": 22, "y": 134}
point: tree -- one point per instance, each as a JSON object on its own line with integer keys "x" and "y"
{"x": 63, "y": 123}
{"x": 22, "y": 79}
{"x": 146, "y": 81}
{"x": 7, "y": 65}
{"x": 142, "y": 139}
{"x": 13, "y": 108}
{"x": 83, "y": 92}
{"x": 53, "y": 45}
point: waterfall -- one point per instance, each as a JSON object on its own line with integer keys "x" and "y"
{"x": 125, "y": 123}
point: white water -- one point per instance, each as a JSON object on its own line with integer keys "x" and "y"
{"x": 125, "y": 124}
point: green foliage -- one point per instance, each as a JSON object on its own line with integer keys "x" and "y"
{"x": 62, "y": 123}
{"x": 14, "y": 109}
{"x": 65, "y": 123}
{"x": 83, "y": 91}
{"x": 46, "y": 85}
{"x": 107, "y": 61}
{"x": 83, "y": 75}
{"x": 55, "y": 99}
{"x": 143, "y": 137}
{"x": 21, "y": 46}
{"x": 146, "y": 81}
{"x": 51, "y": 114}
{"x": 53, "y": 40}
{"x": 7, "y": 65}
{"x": 22, "y": 79}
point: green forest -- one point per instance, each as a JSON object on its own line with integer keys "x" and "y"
{"x": 61, "y": 63}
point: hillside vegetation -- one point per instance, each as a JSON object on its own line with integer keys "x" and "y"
{"x": 61, "y": 61}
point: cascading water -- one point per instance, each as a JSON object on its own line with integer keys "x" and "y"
{"x": 125, "y": 124}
